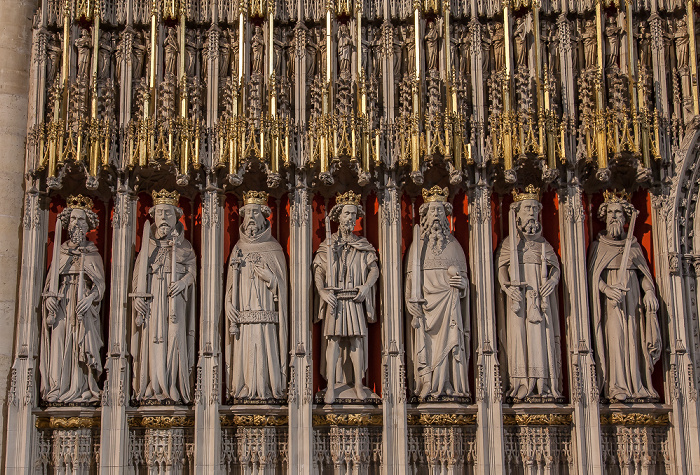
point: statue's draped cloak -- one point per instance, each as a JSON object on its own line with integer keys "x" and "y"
{"x": 162, "y": 369}
{"x": 530, "y": 338}
{"x": 625, "y": 335}
{"x": 447, "y": 324}
{"x": 352, "y": 262}
{"x": 257, "y": 358}
{"x": 69, "y": 358}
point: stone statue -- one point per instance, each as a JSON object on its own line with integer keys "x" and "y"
{"x": 139, "y": 50}
{"x": 438, "y": 302}
{"x": 345, "y": 48}
{"x": 682, "y": 42}
{"x": 162, "y": 340}
{"x": 528, "y": 274}
{"x": 520, "y": 41}
{"x": 171, "y": 48}
{"x": 104, "y": 57}
{"x": 257, "y": 49}
{"x": 625, "y": 326}
{"x": 499, "y": 47}
{"x": 192, "y": 47}
{"x": 345, "y": 271}
{"x": 410, "y": 43}
{"x": 71, "y": 331}
{"x": 612, "y": 33}
{"x": 256, "y": 307}
{"x": 432, "y": 37}
{"x": 84, "y": 46}
{"x": 53, "y": 53}
{"x": 590, "y": 44}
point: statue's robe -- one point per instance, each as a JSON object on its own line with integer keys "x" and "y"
{"x": 351, "y": 267}
{"x": 530, "y": 337}
{"x": 257, "y": 359}
{"x": 627, "y": 338}
{"x": 440, "y": 347}
{"x": 163, "y": 347}
{"x": 70, "y": 362}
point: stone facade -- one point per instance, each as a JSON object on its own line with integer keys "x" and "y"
{"x": 515, "y": 187}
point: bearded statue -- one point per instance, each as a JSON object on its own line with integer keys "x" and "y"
{"x": 437, "y": 300}
{"x": 528, "y": 308}
{"x": 256, "y": 308}
{"x": 624, "y": 305}
{"x": 162, "y": 341}
{"x": 345, "y": 271}
{"x": 71, "y": 331}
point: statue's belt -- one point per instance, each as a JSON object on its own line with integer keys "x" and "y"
{"x": 258, "y": 316}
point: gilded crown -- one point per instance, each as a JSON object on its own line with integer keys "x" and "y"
{"x": 349, "y": 198}
{"x": 616, "y": 196}
{"x": 531, "y": 193}
{"x": 79, "y": 202}
{"x": 164, "y": 197}
{"x": 255, "y": 198}
{"x": 435, "y": 194}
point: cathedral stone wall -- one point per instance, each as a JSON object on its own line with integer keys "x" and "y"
{"x": 334, "y": 237}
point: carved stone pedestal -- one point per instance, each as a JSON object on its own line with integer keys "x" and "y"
{"x": 72, "y": 452}
{"x": 257, "y": 450}
{"x": 538, "y": 449}
{"x": 166, "y": 451}
{"x": 442, "y": 450}
{"x": 636, "y": 450}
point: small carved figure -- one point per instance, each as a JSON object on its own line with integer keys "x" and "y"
{"x": 520, "y": 33}
{"x": 53, "y": 53}
{"x": 682, "y": 42}
{"x": 164, "y": 306}
{"x": 171, "y": 48}
{"x": 84, "y": 47}
{"x": 644, "y": 39}
{"x": 432, "y": 38}
{"x": 139, "y": 49}
{"x": 612, "y": 33}
{"x": 397, "y": 45}
{"x": 345, "y": 48}
{"x": 499, "y": 47}
{"x": 528, "y": 274}
{"x": 192, "y": 51}
{"x": 625, "y": 326}
{"x": 104, "y": 57}
{"x": 345, "y": 272}
{"x": 590, "y": 44}
{"x": 257, "y": 48}
{"x": 410, "y": 45}
{"x": 256, "y": 307}
{"x": 71, "y": 332}
{"x": 437, "y": 299}
{"x": 290, "y": 50}
{"x": 465, "y": 56}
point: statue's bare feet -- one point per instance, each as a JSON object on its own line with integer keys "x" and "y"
{"x": 360, "y": 392}
{"x": 329, "y": 398}
{"x": 425, "y": 391}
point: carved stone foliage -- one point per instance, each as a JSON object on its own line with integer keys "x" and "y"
{"x": 442, "y": 449}
{"x": 67, "y": 451}
{"x": 162, "y": 451}
{"x": 347, "y": 449}
{"x": 249, "y": 449}
{"x": 539, "y": 449}
{"x": 636, "y": 449}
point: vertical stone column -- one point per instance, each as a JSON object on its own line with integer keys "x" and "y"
{"x": 395, "y": 435}
{"x": 300, "y": 397}
{"x": 582, "y": 371}
{"x": 207, "y": 431}
{"x": 115, "y": 397}
{"x": 16, "y": 80}
{"x": 489, "y": 432}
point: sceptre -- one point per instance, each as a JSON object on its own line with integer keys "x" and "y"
{"x": 544, "y": 303}
{"x": 235, "y": 265}
{"x": 55, "y": 271}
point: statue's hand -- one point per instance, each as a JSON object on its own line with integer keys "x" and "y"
{"x": 176, "y": 288}
{"x": 514, "y": 293}
{"x": 415, "y": 323}
{"x": 329, "y": 297}
{"x": 458, "y": 282}
{"x": 52, "y": 305}
{"x": 650, "y": 302}
{"x": 547, "y": 289}
{"x": 84, "y": 305}
{"x": 414, "y": 310}
{"x": 613, "y": 293}
{"x": 141, "y": 308}
{"x": 362, "y": 293}
{"x": 264, "y": 273}
{"x": 232, "y": 314}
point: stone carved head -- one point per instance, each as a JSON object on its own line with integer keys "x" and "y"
{"x": 615, "y": 212}
{"x": 254, "y": 219}
{"x": 165, "y": 217}
{"x": 527, "y": 216}
{"x": 79, "y": 218}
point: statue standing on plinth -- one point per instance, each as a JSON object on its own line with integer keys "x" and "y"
{"x": 624, "y": 305}
{"x": 164, "y": 306}
{"x": 437, "y": 300}
{"x": 528, "y": 274}
{"x": 71, "y": 331}
{"x": 256, "y": 307}
{"x": 345, "y": 272}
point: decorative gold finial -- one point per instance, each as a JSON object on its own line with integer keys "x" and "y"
{"x": 615, "y": 196}
{"x": 255, "y": 198}
{"x": 349, "y": 198}
{"x": 435, "y": 194}
{"x": 164, "y": 197}
{"x": 531, "y": 193}
{"x": 79, "y": 202}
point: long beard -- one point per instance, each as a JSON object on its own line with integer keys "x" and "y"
{"x": 252, "y": 229}
{"x": 531, "y": 227}
{"x": 436, "y": 234}
{"x": 345, "y": 229}
{"x": 162, "y": 231}
{"x": 615, "y": 228}
{"x": 77, "y": 234}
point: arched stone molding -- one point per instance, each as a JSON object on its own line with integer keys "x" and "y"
{"x": 676, "y": 242}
